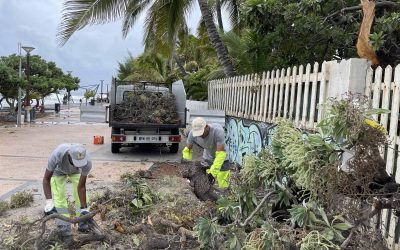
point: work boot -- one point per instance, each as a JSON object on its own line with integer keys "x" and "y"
{"x": 83, "y": 226}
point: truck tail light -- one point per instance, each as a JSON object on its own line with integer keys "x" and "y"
{"x": 175, "y": 138}
{"x": 118, "y": 138}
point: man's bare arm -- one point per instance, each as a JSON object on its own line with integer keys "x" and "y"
{"x": 46, "y": 184}
{"x": 82, "y": 191}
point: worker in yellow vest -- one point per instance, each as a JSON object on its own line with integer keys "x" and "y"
{"x": 67, "y": 162}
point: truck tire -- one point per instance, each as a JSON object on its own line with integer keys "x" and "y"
{"x": 173, "y": 149}
{"x": 115, "y": 148}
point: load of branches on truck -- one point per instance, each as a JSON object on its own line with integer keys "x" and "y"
{"x": 144, "y": 107}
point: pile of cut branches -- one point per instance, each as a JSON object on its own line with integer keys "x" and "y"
{"x": 154, "y": 209}
{"x": 145, "y": 107}
{"x": 301, "y": 193}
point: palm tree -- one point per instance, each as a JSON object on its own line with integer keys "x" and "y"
{"x": 163, "y": 16}
{"x": 149, "y": 66}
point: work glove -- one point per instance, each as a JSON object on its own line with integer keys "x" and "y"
{"x": 49, "y": 207}
{"x": 213, "y": 172}
{"x": 83, "y": 226}
{"x": 217, "y": 164}
{"x": 187, "y": 154}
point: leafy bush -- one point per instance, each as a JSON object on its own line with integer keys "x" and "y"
{"x": 21, "y": 199}
{"x": 3, "y": 207}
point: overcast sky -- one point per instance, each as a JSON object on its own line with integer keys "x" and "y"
{"x": 91, "y": 54}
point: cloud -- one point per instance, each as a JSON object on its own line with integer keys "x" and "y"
{"x": 91, "y": 53}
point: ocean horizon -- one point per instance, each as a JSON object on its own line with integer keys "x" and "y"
{"x": 57, "y": 98}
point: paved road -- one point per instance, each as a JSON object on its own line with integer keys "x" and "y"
{"x": 24, "y": 151}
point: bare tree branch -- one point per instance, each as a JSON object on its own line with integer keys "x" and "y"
{"x": 381, "y": 4}
{"x": 257, "y": 209}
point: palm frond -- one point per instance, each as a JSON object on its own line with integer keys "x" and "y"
{"x": 232, "y": 7}
{"x": 79, "y": 13}
{"x": 215, "y": 74}
{"x": 133, "y": 11}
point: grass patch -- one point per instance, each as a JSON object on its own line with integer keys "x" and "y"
{"x": 21, "y": 199}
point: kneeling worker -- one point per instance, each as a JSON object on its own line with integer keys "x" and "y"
{"x": 210, "y": 137}
{"x": 67, "y": 161}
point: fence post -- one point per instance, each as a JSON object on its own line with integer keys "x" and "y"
{"x": 347, "y": 76}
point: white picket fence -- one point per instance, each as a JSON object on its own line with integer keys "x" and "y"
{"x": 295, "y": 92}
{"x": 291, "y": 93}
{"x": 383, "y": 87}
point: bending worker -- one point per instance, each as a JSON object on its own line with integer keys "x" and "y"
{"x": 210, "y": 137}
{"x": 67, "y": 161}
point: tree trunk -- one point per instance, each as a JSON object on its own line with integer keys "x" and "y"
{"x": 219, "y": 15}
{"x": 215, "y": 39}
{"x": 12, "y": 106}
{"x": 180, "y": 66}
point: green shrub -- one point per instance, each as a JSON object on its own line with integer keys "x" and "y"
{"x": 21, "y": 199}
{"x": 3, "y": 207}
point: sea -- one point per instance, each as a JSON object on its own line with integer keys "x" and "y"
{"x": 76, "y": 96}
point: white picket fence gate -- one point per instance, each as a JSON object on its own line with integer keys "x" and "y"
{"x": 294, "y": 93}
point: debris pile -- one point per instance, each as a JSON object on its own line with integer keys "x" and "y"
{"x": 153, "y": 209}
{"x": 145, "y": 107}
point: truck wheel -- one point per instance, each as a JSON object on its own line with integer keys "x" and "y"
{"x": 115, "y": 148}
{"x": 174, "y": 148}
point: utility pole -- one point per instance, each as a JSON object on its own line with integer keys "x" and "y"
{"x": 68, "y": 92}
{"x": 108, "y": 99}
{"x": 19, "y": 87}
{"x": 101, "y": 91}
{"x": 28, "y": 51}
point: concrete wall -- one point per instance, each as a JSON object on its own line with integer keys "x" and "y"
{"x": 245, "y": 137}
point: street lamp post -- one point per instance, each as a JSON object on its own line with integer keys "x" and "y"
{"x": 19, "y": 87}
{"x": 28, "y": 50}
{"x": 68, "y": 91}
{"x": 27, "y": 101}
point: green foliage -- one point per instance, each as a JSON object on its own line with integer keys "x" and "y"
{"x": 260, "y": 170}
{"x": 21, "y": 199}
{"x": 316, "y": 241}
{"x": 247, "y": 200}
{"x": 196, "y": 84}
{"x": 45, "y": 77}
{"x": 207, "y": 231}
{"x": 89, "y": 94}
{"x": 144, "y": 196}
{"x": 344, "y": 121}
{"x": 309, "y": 216}
{"x": 266, "y": 237}
{"x": 303, "y": 157}
{"x": 303, "y": 214}
{"x": 148, "y": 66}
{"x": 299, "y": 32}
{"x": 249, "y": 51}
{"x": 3, "y": 207}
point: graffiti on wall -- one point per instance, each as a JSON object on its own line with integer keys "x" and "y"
{"x": 245, "y": 137}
